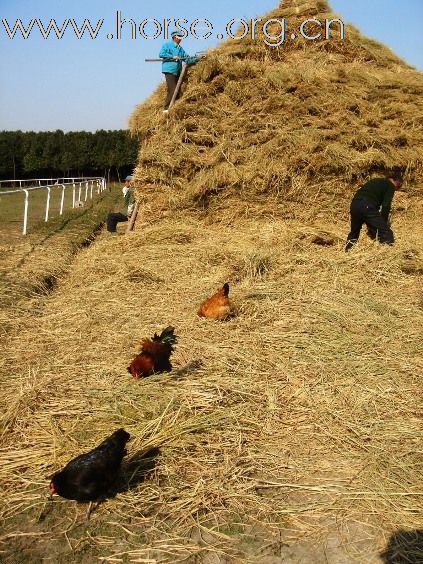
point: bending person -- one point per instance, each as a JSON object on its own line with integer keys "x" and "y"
{"x": 371, "y": 205}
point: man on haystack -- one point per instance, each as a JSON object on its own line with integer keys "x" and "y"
{"x": 128, "y": 196}
{"x": 373, "y": 196}
{"x": 173, "y": 55}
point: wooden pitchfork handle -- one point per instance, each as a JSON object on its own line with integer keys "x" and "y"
{"x": 178, "y": 85}
{"x": 132, "y": 219}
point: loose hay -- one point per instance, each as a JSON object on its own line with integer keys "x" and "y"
{"x": 302, "y": 407}
{"x": 293, "y": 429}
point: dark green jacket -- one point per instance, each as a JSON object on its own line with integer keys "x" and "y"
{"x": 379, "y": 191}
{"x": 129, "y": 202}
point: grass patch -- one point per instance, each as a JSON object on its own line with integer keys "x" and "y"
{"x": 34, "y": 262}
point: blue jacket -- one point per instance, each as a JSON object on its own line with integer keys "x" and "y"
{"x": 171, "y": 49}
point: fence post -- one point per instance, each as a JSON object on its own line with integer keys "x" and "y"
{"x": 86, "y": 191}
{"x": 25, "y": 224}
{"x": 62, "y": 201}
{"x": 79, "y": 192}
{"x": 73, "y": 195}
{"x": 47, "y": 202}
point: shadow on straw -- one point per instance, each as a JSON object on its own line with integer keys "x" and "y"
{"x": 189, "y": 368}
{"x": 404, "y": 547}
{"x": 136, "y": 469}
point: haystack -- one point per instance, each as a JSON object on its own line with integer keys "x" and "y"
{"x": 295, "y": 127}
{"x": 290, "y": 433}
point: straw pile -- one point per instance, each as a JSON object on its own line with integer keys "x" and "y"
{"x": 293, "y": 427}
{"x": 291, "y": 432}
{"x": 288, "y": 125}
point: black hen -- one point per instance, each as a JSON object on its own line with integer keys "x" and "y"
{"x": 89, "y": 476}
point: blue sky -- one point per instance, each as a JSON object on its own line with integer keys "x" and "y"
{"x": 71, "y": 84}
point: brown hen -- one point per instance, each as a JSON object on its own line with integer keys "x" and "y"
{"x": 218, "y": 306}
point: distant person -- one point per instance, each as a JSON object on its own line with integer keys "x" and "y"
{"x": 172, "y": 54}
{"x": 371, "y": 205}
{"x": 116, "y": 217}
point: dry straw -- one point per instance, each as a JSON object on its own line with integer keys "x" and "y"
{"x": 289, "y": 125}
{"x": 298, "y": 419}
{"x": 292, "y": 430}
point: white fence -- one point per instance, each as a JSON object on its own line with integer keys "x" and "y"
{"x": 82, "y": 190}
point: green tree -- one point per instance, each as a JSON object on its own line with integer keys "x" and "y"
{"x": 76, "y": 153}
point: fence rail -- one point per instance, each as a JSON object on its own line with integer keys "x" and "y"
{"x": 39, "y": 182}
{"x": 82, "y": 190}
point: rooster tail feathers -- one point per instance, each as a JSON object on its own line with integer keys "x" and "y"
{"x": 167, "y": 336}
{"x": 226, "y": 289}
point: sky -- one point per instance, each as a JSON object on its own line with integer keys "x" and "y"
{"x": 88, "y": 84}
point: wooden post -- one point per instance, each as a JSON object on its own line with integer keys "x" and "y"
{"x": 178, "y": 85}
{"x": 132, "y": 219}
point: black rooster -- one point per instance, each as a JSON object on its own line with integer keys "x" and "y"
{"x": 89, "y": 476}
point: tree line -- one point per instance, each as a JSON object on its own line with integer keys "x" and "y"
{"x": 77, "y": 153}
